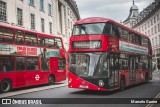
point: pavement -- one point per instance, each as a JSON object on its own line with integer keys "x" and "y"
{"x": 156, "y": 75}
{"x": 31, "y": 89}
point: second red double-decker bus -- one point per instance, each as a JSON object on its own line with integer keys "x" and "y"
{"x": 29, "y": 58}
{"x": 105, "y": 55}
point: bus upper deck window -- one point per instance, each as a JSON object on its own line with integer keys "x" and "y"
{"x": 6, "y": 35}
{"x": 19, "y": 37}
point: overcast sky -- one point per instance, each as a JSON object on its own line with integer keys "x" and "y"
{"x": 114, "y": 9}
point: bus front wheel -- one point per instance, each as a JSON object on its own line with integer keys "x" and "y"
{"x": 122, "y": 84}
{"x": 146, "y": 79}
{"x": 6, "y": 85}
{"x": 51, "y": 80}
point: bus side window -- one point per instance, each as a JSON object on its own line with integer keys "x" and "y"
{"x": 132, "y": 37}
{"x": 6, "y": 35}
{"x": 61, "y": 63}
{"x": 138, "y": 39}
{"x": 6, "y": 63}
{"x": 49, "y": 42}
{"x": 19, "y": 37}
{"x": 31, "y": 39}
{"x": 111, "y": 29}
{"x": 144, "y": 41}
{"x": 32, "y": 63}
{"x": 123, "y": 33}
{"x": 20, "y": 64}
{"x": 58, "y": 43}
{"x": 40, "y": 41}
{"x": 114, "y": 61}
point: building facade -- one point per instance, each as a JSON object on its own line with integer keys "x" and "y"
{"x": 148, "y": 23}
{"x": 55, "y": 17}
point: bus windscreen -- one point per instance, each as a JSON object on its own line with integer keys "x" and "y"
{"x": 88, "y": 29}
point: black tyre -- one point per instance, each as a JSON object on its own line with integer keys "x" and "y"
{"x": 6, "y": 86}
{"x": 122, "y": 84}
{"x": 51, "y": 80}
{"x": 146, "y": 79}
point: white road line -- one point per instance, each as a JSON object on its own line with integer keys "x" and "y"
{"x": 31, "y": 90}
{"x": 150, "y": 105}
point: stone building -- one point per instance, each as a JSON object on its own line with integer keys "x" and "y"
{"x": 55, "y": 17}
{"x": 148, "y": 23}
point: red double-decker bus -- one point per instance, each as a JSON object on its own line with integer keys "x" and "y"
{"x": 105, "y": 55}
{"x": 29, "y": 58}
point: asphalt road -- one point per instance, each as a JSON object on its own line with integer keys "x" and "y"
{"x": 149, "y": 90}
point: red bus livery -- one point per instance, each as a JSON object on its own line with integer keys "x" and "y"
{"x": 29, "y": 58}
{"x": 105, "y": 55}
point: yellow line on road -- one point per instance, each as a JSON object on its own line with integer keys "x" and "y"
{"x": 3, "y": 95}
{"x": 150, "y": 105}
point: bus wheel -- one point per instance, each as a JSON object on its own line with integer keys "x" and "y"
{"x": 51, "y": 80}
{"x": 6, "y": 85}
{"x": 146, "y": 79}
{"x": 122, "y": 84}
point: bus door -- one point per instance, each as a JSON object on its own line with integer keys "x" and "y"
{"x": 132, "y": 66}
{"x": 114, "y": 70}
{"x": 53, "y": 64}
{"x": 57, "y": 66}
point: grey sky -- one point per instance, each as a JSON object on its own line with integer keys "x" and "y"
{"x": 114, "y": 9}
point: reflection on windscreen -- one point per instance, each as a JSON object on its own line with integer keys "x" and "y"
{"x": 85, "y": 29}
{"x": 88, "y": 64}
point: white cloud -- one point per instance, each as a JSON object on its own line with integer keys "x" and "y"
{"x": 114, "y": 9}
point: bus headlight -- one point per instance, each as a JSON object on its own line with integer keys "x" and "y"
{"x": 101, "y": 83}
{"x": 69, "y": 81}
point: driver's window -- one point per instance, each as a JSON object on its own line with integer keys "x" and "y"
{"x": 114, "y": 61}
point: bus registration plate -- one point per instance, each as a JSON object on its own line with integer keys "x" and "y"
{"x": 83, "y": 86}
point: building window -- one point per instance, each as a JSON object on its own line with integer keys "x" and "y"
{"x": 158, "y": 27}
{"x": 32, "y": 21}
{"x": 155, "y": 40}
{"x": 159, "y": 39}
{"x": 42, "y": 25}
{"x": 152, "y": 41}
{"x": 19, "y": 16}
{"x": 151, "y": 22}
{"x": 152, "y": 31}
{"x": 41, "y": 5}
{"x": 49, "y": 9}
{"x": 68, "y": 11}
{"x": 155, "y": 19}
{"x": 157, "y": 16}
{"x": 3, "y": 9}
{"x": 155, "y": 29}
{"x": 142, "y": 28}
{"x": 68, "y": 23}
{"x": 148, "y": 32}
{"x": 50, "y": 27}
{"x": 31, "y": 2}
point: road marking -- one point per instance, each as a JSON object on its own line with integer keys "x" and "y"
{"x": 150, "y": 105}
{"x": 31, "y": 90}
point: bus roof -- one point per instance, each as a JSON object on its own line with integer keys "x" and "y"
{"x": 25, "y": 30}
{"x": 103, "y": 20}
{"x": 92, "y": 20}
